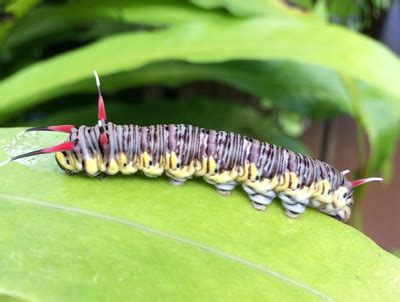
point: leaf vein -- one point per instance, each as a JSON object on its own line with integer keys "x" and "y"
{"x": 134, "y": 225}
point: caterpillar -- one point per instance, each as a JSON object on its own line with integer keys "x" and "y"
{"x": 223, "y": 159}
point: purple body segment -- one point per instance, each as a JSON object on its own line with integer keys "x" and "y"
{"x": 190, "y": 143}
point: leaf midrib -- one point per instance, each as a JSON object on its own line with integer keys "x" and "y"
{"x": 146, "y": 229}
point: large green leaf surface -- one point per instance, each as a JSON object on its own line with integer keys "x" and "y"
{"x": 68, "y": 238}
{"x": 313, "y": 91}
{"x": 48, "y": 21}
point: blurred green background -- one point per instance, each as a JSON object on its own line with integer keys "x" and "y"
{"x": 266, "y": 68}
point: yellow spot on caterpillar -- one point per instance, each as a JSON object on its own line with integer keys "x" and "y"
{"x": 263, "y": 186}
{"x": 243, "y": 173}
{"x": 325, "y": 198}
{"x": 317, "y": 189}
{"x": 253, "y": 172}
{"x": 283, "y": 182}
{"x": 181, "y": 173}
{"x": 126, "y": 167}
{"x": 294, "y": 181}
{"x": 173, "y": 160}
{"x": 63, "y": 161}
{"x": 99, "y": 161}
{"x": 191, "y": 168}
{"x": 112, "y": 167}
{"x": 166, "y": 161}
{"x": 212, "y": 165}
{"x": 91, "y": 166}
{"x": 322, "y": 186}
{"x": 129, "y": 169}
{"x": 201, "y": 169}
{"x": 68, "y": 162}
{"x": 145, "y": 160}
{"x": 122, "y": 160}
{"x": 148, "y": 166}
{"x": 103, "y": 167}
{"x": 60, "y": 157}
{"x": 72, "y": 160}
{"x": 294, "y": 192}
{"x": 224, "y": 177}
{"x": 184, "y": 172}
{"x": 338, "y": 199}
{"x": 153, "y": 171}
{"x": 300, "y": 193}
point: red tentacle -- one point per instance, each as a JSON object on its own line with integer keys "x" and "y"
{"x": 59, "y": 128}
{"x": 67, "y": 146}
{"x": 359, "y": 182}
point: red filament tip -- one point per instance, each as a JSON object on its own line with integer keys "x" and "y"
{"x": 60, "y": 128}
{"x": 359, "y": 182}
{"x": 67, "y": 146}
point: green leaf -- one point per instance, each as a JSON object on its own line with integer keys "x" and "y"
{"x": 56, "y": 23}
{"x": 312, "y": 91}
{"x": 66, "y": 238}
{"x": 382, "y": 132}
{"x": 210, "y": 42}
{"x": 293, "y": 123}
{"x": 357, "y": 14}
{"x": 248, "y": 8}
{"x": 51, "y": 21}
{"x": 321, "y": 10}
{"x": 11, "y": 12}
{"x": 369, "y": 106}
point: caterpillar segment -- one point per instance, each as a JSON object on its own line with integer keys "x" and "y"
{"x": 224, "y": 159}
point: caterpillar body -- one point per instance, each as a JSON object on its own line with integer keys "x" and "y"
{"x": 223, "y": 159}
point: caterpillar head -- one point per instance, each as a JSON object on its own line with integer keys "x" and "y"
{"x": 343, "y": 201}
{"x": 68, "y": 154}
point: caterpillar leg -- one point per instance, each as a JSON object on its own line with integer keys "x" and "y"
{"x": 315, "y": 203}
{"x": 223, "y": 189}
{"x": 259, "y": 201}
{"x": 177, "y": 182}
{"x": 292, "y": 208}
